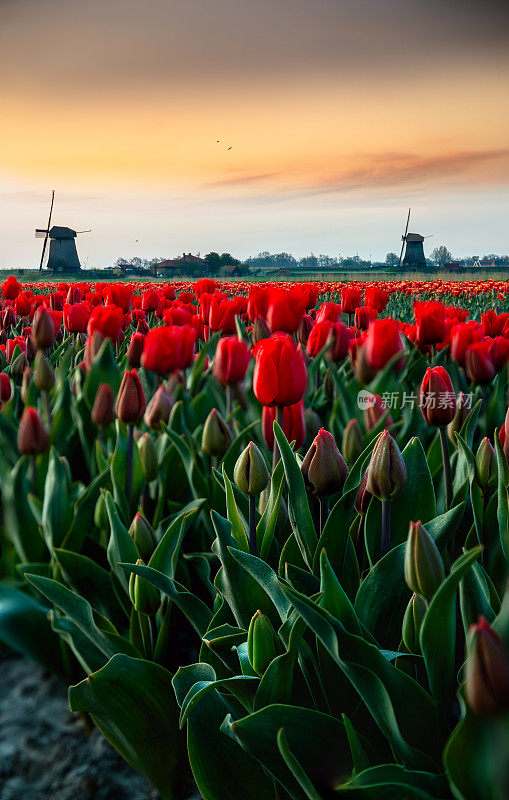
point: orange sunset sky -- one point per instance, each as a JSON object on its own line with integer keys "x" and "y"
{"x": 339, "y": 114}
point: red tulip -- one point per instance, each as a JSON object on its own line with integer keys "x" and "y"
{"x": 363, "y": 316}
{"x": 280, "y": 372}
{"x": 285, "y": 309}
{"x": 294, "y": 425}
{"x": 479, "y": 363}
{"x": 375, "y": 297}
{"x": 118, "y": 294}
{"x": 437, "y": 398}
{"x": 336, "y": 333}
{"x": 168, "y": 348}
{"x": 430, "y": 319}
{"x": 107, "y": 320}
{"x": 329, "y": 311}
{"x": 350, "y": 299}
{"x": 230, "y": 361}
{"x": 383, "y": 342}
{"x": 374, "y": 413}
{"x": 102, "y": 410}
{"x": 5, "y": 388}
{"x": 222, "y": 315}
{"x": 135, "y": 350}
{"x": 487, "y": 671}
{"x": 462, "y": 336}
{"x": 76, "y": 317}
{"x": 10, "y": 288}
{"x": 32, "y": 435}
{"x": 149, "y": 300}
{"x": 130, "y": 405}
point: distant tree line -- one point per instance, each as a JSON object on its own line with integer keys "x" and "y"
{"x": 266, "y": 260}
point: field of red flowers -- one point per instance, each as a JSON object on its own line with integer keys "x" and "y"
{"x": 262, "y": 530}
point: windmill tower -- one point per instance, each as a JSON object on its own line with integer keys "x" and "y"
{"x": 63, "y": 256}
{"x": 414, "y": 251}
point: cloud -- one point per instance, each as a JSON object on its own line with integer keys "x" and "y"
{"x": 377, "y": 171}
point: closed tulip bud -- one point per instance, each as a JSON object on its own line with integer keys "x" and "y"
{"x": 329, "y": 387}
{"x": 487, "y": 671}
{"x": 158, "y": 409}
{"x": 486, "y": 470}
{"x": 217, "y": 436}
{"x": 32, "y": 435}
{"x": 363, "y": 369}
{"x": 463, "y": 409}
{"x": 31, "y": 350}
{"x": 44, "y": 375}
{"x": 100, "y": 514}
{"x": 324, "y": 469}
{"x": 250, "y": 472}
{"x": 145, "y": 597}
{"x": 386, "y": 470}
{"x": 261, "y": 329}
{"x": 43, "y": 328}
{"x": 352, "y": 442}
{"x": 103, "y": 408}
{"x": 92, "y": 347}
{"x": 135, "y": 350}
{"x": 26, "y": 383}
{"x": 437, "y": 399}
{"x": 131, "y": 404}
{"x": 363, "y": 496}
{"x": 412, "y": 621}
{"x": 424, "y": 568}
{"x": 18, "y": 366}
{"x": 142, "y": 534}
{"x": 148, "y": 455}
{"x": 306, "y": 325}
{"x": 5, "y": 388}
{"x": 262, "y": 643}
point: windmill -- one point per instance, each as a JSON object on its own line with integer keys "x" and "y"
{"x": 414, "y": 251}
{"x": 63, "y": 256}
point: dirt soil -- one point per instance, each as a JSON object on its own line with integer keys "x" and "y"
{"x": 46, "y": 753}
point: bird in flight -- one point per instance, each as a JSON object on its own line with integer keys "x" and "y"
{"x": 229, "y": 148}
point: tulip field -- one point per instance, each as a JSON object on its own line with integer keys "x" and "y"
{"x": 261, "y": 531}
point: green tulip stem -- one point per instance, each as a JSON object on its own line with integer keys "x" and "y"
{"x": 33, "y": 465}
{"x": 252, "y": 524}
{"x": 229, "y": 399}
{"x": 275, "y": 453}
{"x": 47, "y": 408}
{"x": 324, "y": 512}
{"x": 447, "y": 467}
{"x": 129, "y": 464}
{"x": 386, "y": 527}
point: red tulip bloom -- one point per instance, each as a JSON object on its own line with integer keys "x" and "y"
{"x": 23, "y": 304}
{"x": 280, "y": 373}
{"x": 10, "y": 288}
{"x": 479, "y": 362}
{"x": 374, "y": 297}
{"x": 294, "y": 424}
{"x": 492, "y": 324}
{"x": 222, "y": 315}
{"x": 135, "y": 350}
{"x": 32, "y": 435}
{"x": 168, "y": 348}
{"x": 73, "y": 295}
{"x": 430, "y": 320}
{"x": 131, "y": 404}
{"x": 11, "y": 345}
{"x": 230, "y": 361}
{"x": 107, "y": 320}
{"x": 285, "y": 309}
{"x": 149, "y": 300}
{"x": 177, "y": 315}
{"x": 437, "y": 398}
{"x": 329, "y": 311}
{"x": 204, "y": 286}
{"x": 350, "y": 299}
{"x": 118, "y": 294}
{"x": 499, "y": 352}
{"x": 76, "y": 317}
{"x": 258, "y": 303}
{"x": 5, "y": 388}
{"x": 8, "y": 318}
{"x": 462, "y": 336}
{"x": 363, "y": 316}
{"x": 336, "y": 333}
{"x": 383, "y": 342}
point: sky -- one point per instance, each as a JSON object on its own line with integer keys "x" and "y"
{"x": 304, "y": 126}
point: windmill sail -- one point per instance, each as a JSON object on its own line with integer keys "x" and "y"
{"x": 39, "y": 233}
{"x": 403, "y": 238}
